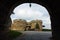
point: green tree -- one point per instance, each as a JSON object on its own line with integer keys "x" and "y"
{"x": 37, "y": 26}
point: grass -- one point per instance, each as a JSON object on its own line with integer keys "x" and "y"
{"x": 14, "y": 34}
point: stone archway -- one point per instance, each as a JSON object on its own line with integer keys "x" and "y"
{"x": 7, "y": 6}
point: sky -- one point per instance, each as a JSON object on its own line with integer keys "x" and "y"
{"x": 34, "y": 12}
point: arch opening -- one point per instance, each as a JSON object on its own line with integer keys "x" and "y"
{"x": 35, "y": 12}
{"x": 42, "y": 16}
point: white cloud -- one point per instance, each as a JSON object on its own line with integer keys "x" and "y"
{"x": 28, "y": 13}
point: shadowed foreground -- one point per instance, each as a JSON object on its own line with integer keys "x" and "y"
{"x": 35, "y": 35}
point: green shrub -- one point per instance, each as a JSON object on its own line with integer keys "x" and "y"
{"x": 14, "y": 34}
{"x": 37, "y": 26}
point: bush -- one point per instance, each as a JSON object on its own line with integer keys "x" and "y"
{"x": 37, "y": 26}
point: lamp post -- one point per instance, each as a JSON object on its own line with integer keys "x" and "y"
{"x": 30, "y": 5}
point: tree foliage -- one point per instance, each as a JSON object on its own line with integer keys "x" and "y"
{"x": 37, "y": 26}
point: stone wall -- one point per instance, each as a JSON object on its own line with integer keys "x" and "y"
{"x": 33, "y": 24}
{"x": 18, "y": 24}
{"x": 22, "y": 25}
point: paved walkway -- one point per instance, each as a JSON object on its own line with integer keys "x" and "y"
{"x": 35, "y": 35}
